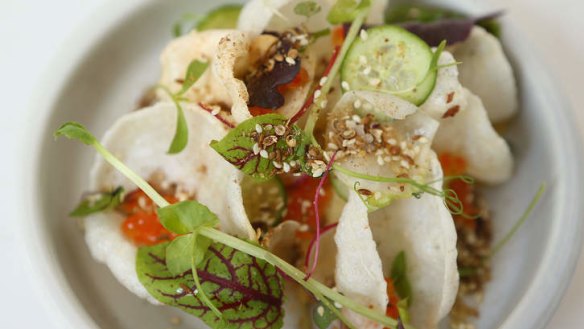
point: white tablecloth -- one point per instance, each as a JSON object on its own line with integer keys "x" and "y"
{"x": 32, "y": 30}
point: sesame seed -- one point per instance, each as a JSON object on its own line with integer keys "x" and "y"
{"x": 367, "y": 70}
{"x": 323, "y": 80}
{"x": 256, "y": 148}
{"x": 323, "y": 104}
{"x": 290, "y": 60}
{"x": 391, "y": 141}
{"x": 317, "y": 94}
{"x": 332, "y": 146}
{"x": 264, "y": 154}
{"x": 280, "y": 130}
{"x": 292, "y": 163}
{"x": 345, "y": 85}
{"x": 327, "y": 157}
{"x": 423, "y": 140}
{"x": 363, "y": 34}
{"x": 357, "y": 104}
{"x": 268, "y": 127}
{"x": 196, "y": 291}
{"x": 179, "y": 290}
{"x": 404, "y": 164}
{"x": 356, "y": 118}
{"x": 374, "y": 82}
{"x": 337, "y": 305}
{"x": 304, "y": 227}
{"x": 258, "y": 128}
{"x": 215, "y": 111}
{"x": 286, "y": 167}
{"x": 317, "y": 173}
{"x": 320, "y": 310}
{"x": 277, "y": 165}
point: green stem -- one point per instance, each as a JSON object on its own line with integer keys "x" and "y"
{"x": 520, "y": 222}
{"x": 131, "y": 175}
{"x": 314, "y": 110}
{"x": 398, "y": 180}
{"x": 202, "y": 295}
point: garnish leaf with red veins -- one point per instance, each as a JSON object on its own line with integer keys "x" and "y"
{"x": 399, "y": 278}
{"x": 264, "y": 146}
{"x": 98, "y": 202}
{"x": 194, "y": 72}
{"x": 323, "y": 317}
{"x": 263, "y": 87}
{"x": 179, "y": 253}
{"x": 345, "y": 11}
{"x": 248, "y": 291}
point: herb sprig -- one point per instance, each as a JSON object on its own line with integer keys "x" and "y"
{"x": 181, "y": 136}
{"x": 183, "y": 218}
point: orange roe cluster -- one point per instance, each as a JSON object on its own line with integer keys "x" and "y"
{"x": 142, "y": 225}
{"x": 300, "y": 192}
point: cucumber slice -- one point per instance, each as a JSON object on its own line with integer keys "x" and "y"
{"x": 391, "y": 59}
{"x": 265, "y": 202}
{"x": 224, "y": 17}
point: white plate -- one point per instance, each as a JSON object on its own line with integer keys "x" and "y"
{"x": 114, "y": 57}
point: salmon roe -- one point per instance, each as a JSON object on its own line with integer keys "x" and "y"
{"x": 141, "y": 225}
{"x": 300, "y": 194}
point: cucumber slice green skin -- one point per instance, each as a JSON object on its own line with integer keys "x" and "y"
{"x": 224, "y": 17}
{"x": 393, "y": 60}
{"x": 265, "y": 202}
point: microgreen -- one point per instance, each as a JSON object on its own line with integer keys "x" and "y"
{"x": 499, "y": 245}
{"x": 194, "y": 71}
{"x": 264, "y": 146}
{"x": 181, "y": 135}
{"x": 344, "y": 11}
{"x": 97, "y": 202}
{"x": 161, "y": 284}
{"x": 75, "y": 131}
{"x": 307, "y": 8}
{"x": 449, "y": 196}
{"x": 399, "y": 277}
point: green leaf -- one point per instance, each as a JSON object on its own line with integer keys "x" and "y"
{"x": 194, "y": 72}
{"x": 345, "y": 11}
{"x": 186, "y": 217}
{"x": 399, "y": 277}
{"x": 322, "y": 316}
{"x": 178, "y": 254}
{"x": 181, "y": 134}
{"x": 247, "y": 290}
{"x": 307, "y": 8}
{"x": 76, "y": 131}
{"x": 99, "y": 202}
{"x": 247, "y": 149}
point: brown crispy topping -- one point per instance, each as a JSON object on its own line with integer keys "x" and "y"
{"x": 451, "y": 112}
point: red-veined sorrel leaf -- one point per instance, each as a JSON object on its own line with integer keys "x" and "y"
{"x": 264, "y": 146}
{"x": 247, "y": 291}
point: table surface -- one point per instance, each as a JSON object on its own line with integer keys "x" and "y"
{"x": 31, "y": 31}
